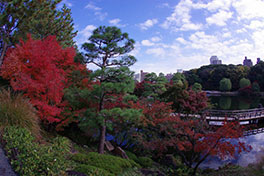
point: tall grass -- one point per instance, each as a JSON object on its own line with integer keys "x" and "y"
{"x": 15, "y": 110}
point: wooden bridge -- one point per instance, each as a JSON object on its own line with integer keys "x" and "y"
{"x": 249, "y": 116}
{"x": 245, "y": 117}
{"x": 231, "y": 115}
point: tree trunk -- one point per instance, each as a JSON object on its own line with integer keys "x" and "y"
{"x": 3, "y": 53}
{"x": 102, "y": 139}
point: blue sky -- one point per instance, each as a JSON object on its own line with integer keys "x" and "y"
{"x": 178, "y": 34}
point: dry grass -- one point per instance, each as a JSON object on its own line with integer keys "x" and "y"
{"x": 15, "y": 110}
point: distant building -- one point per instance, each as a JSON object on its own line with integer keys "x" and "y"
{"x": 215, "y": 61}
{"x": 137, "y": 77}
{"x": 258, "y": 60}
{"x": 169, "y": 76}
{"x": 142, "y": 75}
{"x": 179, "y": 71}
{"x": 247, "y": 62}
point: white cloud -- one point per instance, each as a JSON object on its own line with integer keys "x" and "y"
{"x": 116, "y": 22}
{"x": 219, "y": 18}
{"x": 181, "y": 40}
{"x": 147, "y": 43}
{"x": 158, "y": 52}
{"x": 180, "y": 19}
{"x": 92, "y": 7}
{"x": 66, "y": 2}
{"x": 136, "y": 51}
{"x": 227, "y": 34}
{"x": 256, "y": 24}
{"x": 84, "y": 34}
{"x": 100, "y": 15}
{"x": 87, "y": 31}
{"x": 155, "y": 39}
{"x": 147, "y": 24}
{"x": 218, "y": 5}
{"x": 242, "y": 30}
{"x": 97, "y": 11}
{"x": 190, "y": 26}
{"x": 249, "y": 9}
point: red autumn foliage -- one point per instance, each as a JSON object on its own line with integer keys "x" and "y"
{"x": 191, "y": 138}
{"x": 40, "y": 68}
{"x": 152, "y": 111}
{"x": 193, "y": 102}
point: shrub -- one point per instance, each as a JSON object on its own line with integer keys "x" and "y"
{"x": 91, "y": 170}
{"x": 225, "y": 84}
{"x": 17, "y": 111}
{"x": 145, "y": 161}
{"x": 197, "y": 87}
{"x": 112, "y": 164}
{"x": 32, "y": 159}
{"x": 244, "y": 83}
{"x": 132, "y": 156}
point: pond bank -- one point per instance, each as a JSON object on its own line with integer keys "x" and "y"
{"x": 218, "y": 93}
{"x": 234, "y": 93}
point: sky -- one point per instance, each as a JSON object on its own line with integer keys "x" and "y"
{"x": 178, "y": 34}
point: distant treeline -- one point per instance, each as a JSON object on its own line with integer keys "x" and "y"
{"x": 210, "y": 76}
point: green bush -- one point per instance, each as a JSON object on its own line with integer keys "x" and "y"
{"x": 92, "y": 171}
{"x": 112, "y": 164}
{"x": 197, "y": 87}
{"x": 225, "y": 85}
{"x": 145, "y": 161}
{"x": 17, "y": 111}
{"x": 132, "y": 156}
{"x": 32, "y": 159}
{"x": 244, "y": 83}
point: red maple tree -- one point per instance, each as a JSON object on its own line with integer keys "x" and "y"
{"x": 192, "y": 138}
{"x": 39, "y": 68}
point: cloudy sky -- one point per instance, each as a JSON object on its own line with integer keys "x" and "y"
{"x": 178, "y": 34}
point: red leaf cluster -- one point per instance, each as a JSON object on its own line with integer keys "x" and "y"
{"x": 39, "y": 68}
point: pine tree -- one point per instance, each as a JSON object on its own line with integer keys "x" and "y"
{"x": 38, "y": 17}
{"x": 107, "y": 49}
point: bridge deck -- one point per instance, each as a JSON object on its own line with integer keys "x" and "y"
{"x": 241, "y": 115}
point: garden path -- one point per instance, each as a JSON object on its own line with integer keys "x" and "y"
{"x": 5, "y": 168}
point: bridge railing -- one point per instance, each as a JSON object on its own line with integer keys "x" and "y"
{"x": 235, "y": 114}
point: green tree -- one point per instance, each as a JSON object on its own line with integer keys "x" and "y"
{"x": 153, "y": 86}
{"x": 38, "y": 17}
{"x": 197, "y": 87}
{"x": 192, "y": 77}
{"x": 256, "y": 74}
{"x": 225, "y": 85}
{"x": 244, "y": 83}
{"x": 107, "y": 48}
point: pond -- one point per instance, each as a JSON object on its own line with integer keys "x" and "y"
{"x": 256, "y": 141}
{"x": 243, "y": 159}
{"x": 236, "y": 102}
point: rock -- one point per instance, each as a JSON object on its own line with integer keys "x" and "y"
{"x": 151, "y": 172}
{"x": 5, "y": 168}
{"x": 109, "y": 146}
{"x": 74, "y": 173}
{"x": 120, "y": 152}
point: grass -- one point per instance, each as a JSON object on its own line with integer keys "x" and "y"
{"x": 15, "y": 110}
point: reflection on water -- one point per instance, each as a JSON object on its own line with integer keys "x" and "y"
{"x": 256, "y": 141}
{"x": 243, "y": 159}
{"x": 235, "y": 102}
